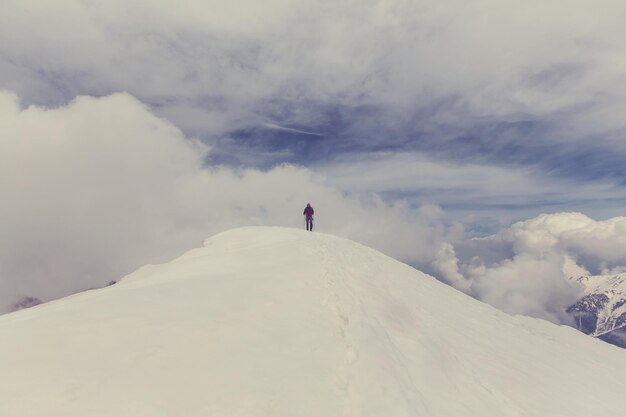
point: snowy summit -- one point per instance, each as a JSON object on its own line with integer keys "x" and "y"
{"x": 282, "y": 322}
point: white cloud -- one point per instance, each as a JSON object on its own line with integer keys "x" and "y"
{"x": 85, "y": 190}
{"x": 523, "y": 268}
{"x": 528, "y": 285}
{"x": 593, "y": 243}
{"x": 446, "y": 267}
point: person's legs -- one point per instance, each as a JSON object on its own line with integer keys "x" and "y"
{"x": 309, "y": 224}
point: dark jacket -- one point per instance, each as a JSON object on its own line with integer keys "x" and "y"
{"x": 308, "y": 211}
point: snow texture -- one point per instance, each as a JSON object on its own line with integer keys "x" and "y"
{"x": 282, "y": 322}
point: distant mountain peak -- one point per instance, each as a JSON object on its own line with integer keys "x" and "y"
{"x": 25, "y": 302}
{"x": 602, "y": 310}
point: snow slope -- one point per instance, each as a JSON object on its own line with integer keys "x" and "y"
{"x": 281, "y": 322}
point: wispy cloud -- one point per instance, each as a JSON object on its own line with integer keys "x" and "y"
{"x": 399, "y": 73}
{"x": 466, "y": 190}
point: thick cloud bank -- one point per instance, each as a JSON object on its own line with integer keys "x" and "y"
{"x": 101, "y": 186}
{"x": 522, "y": 269}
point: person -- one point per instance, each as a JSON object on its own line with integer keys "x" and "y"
{"x": 308, "y": 212}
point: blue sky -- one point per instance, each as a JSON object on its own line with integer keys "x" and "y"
{"x": 435, "y": 120}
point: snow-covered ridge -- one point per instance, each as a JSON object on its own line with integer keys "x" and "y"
{"x": 603, "y": 308}
{"x": 282, "y": 322}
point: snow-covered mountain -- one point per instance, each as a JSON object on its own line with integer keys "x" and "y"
{"x": 602, "y": 311}
{"x": 282, "y": 322}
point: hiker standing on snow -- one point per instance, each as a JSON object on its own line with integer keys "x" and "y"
{"x": 308, "y": 212}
